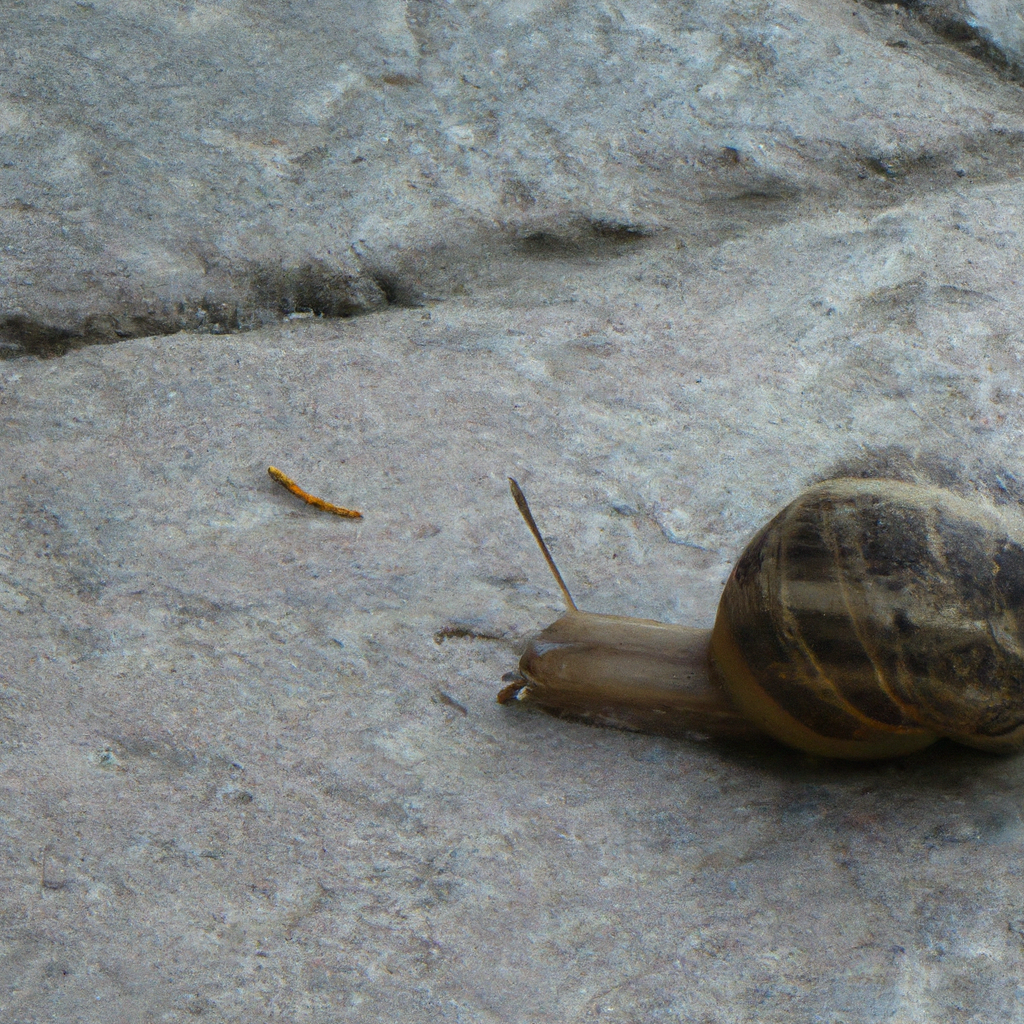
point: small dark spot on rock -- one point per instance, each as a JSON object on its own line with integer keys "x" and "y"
{"x": 462, "y": 631}
{"x": 197, "y": 1006}
{"x": 451, "y": 702}
{"x": 400, "y": 79}
{"x": 880, "y": 166}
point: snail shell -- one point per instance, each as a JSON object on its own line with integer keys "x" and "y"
{"x": 867, "y": 619}
{"x": 870, "y": 617}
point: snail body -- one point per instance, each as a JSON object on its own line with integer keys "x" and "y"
{"x": 867, "y": 619}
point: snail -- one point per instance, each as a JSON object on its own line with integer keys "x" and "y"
{"x": 867, "y": 619}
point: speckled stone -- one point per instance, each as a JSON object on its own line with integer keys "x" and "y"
{"x": 253, "y": 751}
{"x": 665, "y": 264}
{"x": 212, "y": 166}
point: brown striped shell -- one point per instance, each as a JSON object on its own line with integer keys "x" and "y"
{"x": 870, "y": 617}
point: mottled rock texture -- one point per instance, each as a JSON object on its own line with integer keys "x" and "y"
{"x": 992, "y": 30}
{"x": 214, "y": 165}
{"x": 665, "y": 263}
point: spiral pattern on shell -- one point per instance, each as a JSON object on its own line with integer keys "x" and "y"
{"x": 870, "y": 617}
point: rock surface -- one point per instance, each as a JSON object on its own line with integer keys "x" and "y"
{"x": 253, "y": 750}
{"x": 690, "y": 258}
{"x": 992, "y": 30}
{"x": 215, "y": 165}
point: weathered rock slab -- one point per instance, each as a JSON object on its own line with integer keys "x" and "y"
{"x": 213, "y": 166}
{"x": 252, "y": 750}
{"x": 663, "y": 263}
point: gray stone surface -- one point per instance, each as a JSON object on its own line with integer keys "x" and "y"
{"x": 252, "y": 763}
{"x": 991, "y": 30}
{"x": 213, "y": 165}
{"x": 690, "y": 257}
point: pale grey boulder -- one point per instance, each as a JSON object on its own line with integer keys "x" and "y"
{"x": 664, "y": 263}
{"x": 213, "y": 166}
{"x": 253, "y": 750}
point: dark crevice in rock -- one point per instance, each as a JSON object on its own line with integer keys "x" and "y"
{"x": 23, "y": 336}
{"x": 399, "y": 292}
{"x": 955, "y": 23}
{"x": 766, "y": 196}
{"x": 316, "y": 288}
{"x": 988, "y": 156}
{"x": 272, "y": 293}
{"x": 589, "y": 239}
{"x": 976, "y": 43}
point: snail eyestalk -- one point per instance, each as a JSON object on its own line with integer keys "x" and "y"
{"x": 325, "y": 506}
{"x": 629, "y": 673}
{"x": 524, "y": 511}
